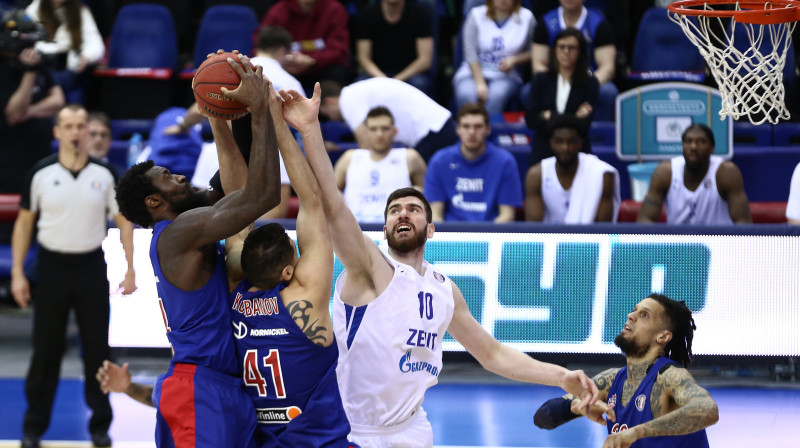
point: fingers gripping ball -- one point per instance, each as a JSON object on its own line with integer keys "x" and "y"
{"x": 213, "y": 74}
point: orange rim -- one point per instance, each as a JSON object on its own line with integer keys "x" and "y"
{"x": 760, "y": 12}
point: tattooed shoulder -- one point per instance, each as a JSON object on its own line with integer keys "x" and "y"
{"x": 300, "y": 311}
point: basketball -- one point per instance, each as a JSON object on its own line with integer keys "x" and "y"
{"x": 213, "y": 74}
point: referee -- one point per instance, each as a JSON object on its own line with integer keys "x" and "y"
{"x": 68, "y": 197}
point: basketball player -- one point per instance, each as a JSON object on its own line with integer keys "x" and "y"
{"x": 281, "y": 319}
{"x": 392, "y": 309}
{"x": 200, "y": 399}
{"x": 653, "y": 400}
{"x": 697, "y": 188}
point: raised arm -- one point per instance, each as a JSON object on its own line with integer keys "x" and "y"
{"x": 731, "y": 187}
{"x": 659, "y": 185}
{"x": 125, "y": 227}
{"x": 356, "y": 251}
{"x": 696, "y": 410}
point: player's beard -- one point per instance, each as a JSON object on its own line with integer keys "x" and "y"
{"x": 406, "y": 245}
{"x": 188, "y": 202}
{"x": 630, "y": 347}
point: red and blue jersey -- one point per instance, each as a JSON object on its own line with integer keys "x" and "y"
{"x": 291, "y": 380}
{"x": 198, "y": 323}
{"x": 638, "y": 411}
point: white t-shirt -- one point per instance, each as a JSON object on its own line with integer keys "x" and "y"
{"x": 415, "y": 114}
{"x": 369, "y": 183}
{"x": 92, "y": 47}
{"x": 793, "y": 203}
{"x": 702, "y": 206}
{"x": 281, "y": 79}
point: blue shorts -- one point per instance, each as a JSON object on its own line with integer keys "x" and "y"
{"x": 199, "y": 407}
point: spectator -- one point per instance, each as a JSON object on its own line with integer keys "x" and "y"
{"x": 395, "y": 40}
{"x": 76, "y": 45}
{"x": 793, "y": 204}
{"x": 599, "y": 35}
{"x": 321, "y": 47}
{"x": 368, "y": 176}
{"x": 473, "y": 180}
{"x": 98, "y": 136}
{"x": 68, "y": 199}
{"x": 566, "y": 88}
{"x": 571, "y": 187}
{"x": 497, "y": 39}
{"x": 421, "y": 122}
{"x": 697, "y": 188}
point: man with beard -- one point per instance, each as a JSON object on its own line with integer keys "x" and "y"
{"x": 571, "y": 187}
{"x": 653, "y": 401}
{"x": 200, "y": 399}
{"x": 697, "y": 188}
{"x": 391, "y": 310}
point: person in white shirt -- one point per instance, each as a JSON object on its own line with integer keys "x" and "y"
{"x": 367, "y": 176}
{"x": 793, "y": 203}
{"x": 571, "y": 187}
{"x": 697, "y": 188}
{"x": 421, "y": 122}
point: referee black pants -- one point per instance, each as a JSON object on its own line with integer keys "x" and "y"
{"x": 65, "y": 282}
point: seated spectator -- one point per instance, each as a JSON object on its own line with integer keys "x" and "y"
{"x": 368, "y": 176}
{"x": 602, "y": 50}
{"x": 571, "y": 187}
{"x": 395, "y": 39}
{"x": 566, "y": 88}
{"x": 420, "y": 121}
{"x": 75, "y": 44}
{"x": 176, "y": 152}
{"x": 98, "y": 137}
{"x": 473, "y": 180}
{"x": 697, "y": 188}
{"x": 793, "y": 204}
{"x": 321, "y": 47}
{"x": 497, "y": 39}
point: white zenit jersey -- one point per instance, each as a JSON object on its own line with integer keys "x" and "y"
{"x": 704, "y": 205}
{"x": 369, "y": 183}
{"x": 390, "y": 351}
{"x": 554, "y": 196}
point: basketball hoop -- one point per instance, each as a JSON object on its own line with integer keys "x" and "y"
{"x": 750, "y": 72}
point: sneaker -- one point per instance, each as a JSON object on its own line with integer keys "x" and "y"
{"x": 30, "y": 442}
{"x": 101, "y": 440}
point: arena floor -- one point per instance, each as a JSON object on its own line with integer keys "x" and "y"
{"x": 469, "y": 408}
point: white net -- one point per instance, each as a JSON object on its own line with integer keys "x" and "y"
{"x": 747, "y": 61}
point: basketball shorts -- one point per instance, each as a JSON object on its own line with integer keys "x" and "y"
{"x": 200, "y": 407}
{"x": 416, "y": 432}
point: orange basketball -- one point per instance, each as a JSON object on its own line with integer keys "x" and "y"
{"x": 214, "y": 73}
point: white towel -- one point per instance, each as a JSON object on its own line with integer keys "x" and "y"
{"x": 587, "y": 189}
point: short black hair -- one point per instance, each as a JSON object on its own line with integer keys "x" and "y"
{"x": 266, "y": 251}
{"x": 101, "y": 118}
{"x": 132, "y": 189}
{"x": 678, "y": 319}
{"x": 379, "y": 111}
{"x": 707, "y": 130}
{"x": 272, "y": 38}
{"x": 567, "y": 121}
{"x": 405, "y": 192}
{"x": 330, "y": 88}
{"x": 473, "y": 109}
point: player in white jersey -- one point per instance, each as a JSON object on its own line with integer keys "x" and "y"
{"x": 367, "y": 176}
{"x": 697, "y": 188}
{"x": 391, "y": 310}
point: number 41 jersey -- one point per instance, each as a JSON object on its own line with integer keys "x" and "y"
{"x": 291, "y": 380}
{"x": 390, "y": 350}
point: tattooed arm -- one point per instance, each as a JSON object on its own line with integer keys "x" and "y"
{"x": 694, "y": 409}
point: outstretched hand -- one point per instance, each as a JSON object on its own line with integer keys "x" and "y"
{"x": 113, "y": 378}
{"x": 254, "y": 89}
{"x": 581, "y": 386}
{"x": 595, "y": 412}
{"x": 298, "y": 110}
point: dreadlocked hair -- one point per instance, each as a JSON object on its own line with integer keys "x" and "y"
{"x": 132, "y": 189}
{"x": 680, "y": 322}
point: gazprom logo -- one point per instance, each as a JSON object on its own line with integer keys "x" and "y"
{"x": 406, "y": 365}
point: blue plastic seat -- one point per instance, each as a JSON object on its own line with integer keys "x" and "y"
{"x": 143, "y": 36}
{"x": 662, "y": 52}
{"x": 229, "y": 27}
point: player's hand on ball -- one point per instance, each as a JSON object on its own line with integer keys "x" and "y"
{"x": 253, "y": 89}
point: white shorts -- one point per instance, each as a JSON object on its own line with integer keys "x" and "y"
{"x": 416, "y": 432}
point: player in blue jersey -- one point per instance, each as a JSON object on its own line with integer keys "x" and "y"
{"x": 200, "y": 399}
{"x": 653, "y": 402}
{"x": 282, "y": 325}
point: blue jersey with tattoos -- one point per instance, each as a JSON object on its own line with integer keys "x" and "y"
{"x": 291, "y": 380}
{"x": 638, "y": 411}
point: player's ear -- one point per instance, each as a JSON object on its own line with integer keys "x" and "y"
{"x": 664, "y": 337}
{"x": 153, "y": 200}
{"x": 431, "y": 229}
{"x": 287, "y": 273}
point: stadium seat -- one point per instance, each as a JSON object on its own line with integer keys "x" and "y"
{"x": 746, "y": 133}
{"x": 229, "y": 27}
{"x": 603, "y": 133}
{"x": 662, "y": 52}
{"x": 771, "y": 212}
{"x": 785, "y": 134}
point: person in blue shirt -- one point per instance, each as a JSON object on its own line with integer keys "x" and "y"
{"x": 473, "y": 180}
{"x": 653, "y": 401}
